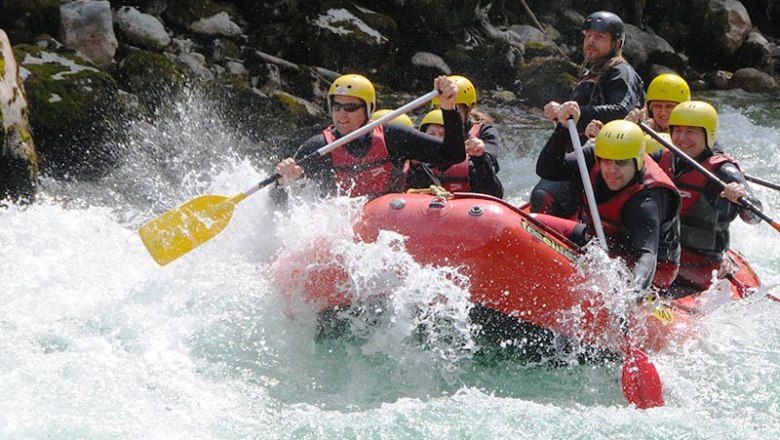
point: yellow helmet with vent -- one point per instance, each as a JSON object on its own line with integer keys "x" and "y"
{"x": 467, "y": 93}
{"x": 696, "y": 114}
{"x": 620, "y": 140}
{"x": 402, "y": 119}
{"x": 668, "y": 87}
{"x": 357, "y": 86}
{"x": 432, "y": 117}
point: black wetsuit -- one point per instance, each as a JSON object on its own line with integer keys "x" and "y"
{"x": 727, "y": 211}
{"x": 605, "y": 97}
{"x": 482, "y": 169}
{"x": 642, "y": 215}
{"x": 402, "y": 143}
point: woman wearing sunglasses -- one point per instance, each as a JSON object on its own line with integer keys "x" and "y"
{"x": 373, "y": 164}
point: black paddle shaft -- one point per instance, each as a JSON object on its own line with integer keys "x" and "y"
{"x": 763, "y": 182}
{"x": 700, "y": 168}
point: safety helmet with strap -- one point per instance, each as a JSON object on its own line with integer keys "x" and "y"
{"x": 604, "y": 21}
{"x": 357, "y": 86}
{"x": 667, "y": 87}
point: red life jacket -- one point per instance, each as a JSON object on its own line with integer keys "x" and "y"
{"x": 611, "y": 211}
{"x": 456, "y": 177}
{"x": 371, "y": 175}
{"x": 700, "y": 223}
{"x": 692, "y": 183}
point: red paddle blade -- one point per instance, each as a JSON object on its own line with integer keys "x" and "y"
{"x": 641, "y": 383}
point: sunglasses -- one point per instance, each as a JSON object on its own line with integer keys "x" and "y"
{"x": 348, "y": 107}
{"x": 619, "y": 162}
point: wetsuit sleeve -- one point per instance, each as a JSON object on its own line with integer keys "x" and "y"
{"x": 482, "y": 176}
{"x": 489, "y": 135}
{"x": 622, "y": 90}
{"x": 730, "y": 173}
{"x": 642, "y": 216}
{"x": 554, "y": 163}
{"x": 407, "y": 143}
{"x": 316, "y": 167}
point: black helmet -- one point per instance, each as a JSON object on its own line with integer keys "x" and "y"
{"x": 604, "y": 21}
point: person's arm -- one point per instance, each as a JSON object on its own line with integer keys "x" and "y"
{"x": 482, "y": 175}
{"x": 317, "y": 167}
{"x": 407, "y": 143}
{"x": 622, "y": 91}
{"x": 555, "y": 164}
{"x": 729, "y": 173}
{"x": 492, "y": 140}
{"x": 642, "y": 215}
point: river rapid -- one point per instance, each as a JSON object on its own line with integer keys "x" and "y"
{"x": 99, "y": 342}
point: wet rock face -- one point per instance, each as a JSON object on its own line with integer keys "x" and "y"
{"x": 151, "y": 77}
{"x": 268, "y": 64}
{"x": 142, "y": 29}
{"x": 87, "y": 27}
{"x": 18, "y": 159}
{"x": 24, "y": 20}
{"x": 73, "y": 111}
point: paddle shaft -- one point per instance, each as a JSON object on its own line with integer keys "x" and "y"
{"x": 763, "y": 182}
{"x": 585, "y": 175}
{"x": 641, "y": 383}
{"x": 350, "y": 137}
{"x": 707, "y": 173}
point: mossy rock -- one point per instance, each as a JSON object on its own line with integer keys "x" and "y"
{"x": 546, "y": 79}
{"x": 23, "y": 20}
{"x": 151, "y": 76}
{"x": 342, "y": 45}
{"x": 535, "y": 49}
{"x": 73, "y": 112}
{"x": 182, "y": 13}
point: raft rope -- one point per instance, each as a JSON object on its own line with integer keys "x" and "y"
{"x": 439, "y": 192}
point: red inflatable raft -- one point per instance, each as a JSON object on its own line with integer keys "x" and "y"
{"x": 516, "y": 265}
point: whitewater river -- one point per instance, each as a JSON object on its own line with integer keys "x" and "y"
{"x": 99, "y": 342}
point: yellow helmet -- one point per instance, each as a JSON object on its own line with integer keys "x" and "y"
{"x": 620, "y": 140}
{"x": 652, "y": 145}
{"x": 467, "y": 93}
{"x": 667, "y": 87}
{"x": 696, "y": 114}
{"x": 402, "y": 119}
{"x": 357, "y": 86}
{"x": 432, "y": 117}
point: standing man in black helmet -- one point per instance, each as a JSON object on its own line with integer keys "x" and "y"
{"x": 607, "y": 88}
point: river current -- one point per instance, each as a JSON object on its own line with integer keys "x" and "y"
{"x": 99, "y": 342}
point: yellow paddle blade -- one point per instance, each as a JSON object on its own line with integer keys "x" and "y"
{"x": 180, "y": 230}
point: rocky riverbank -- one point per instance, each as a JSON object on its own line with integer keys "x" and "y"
{"x": 81, "y": 69}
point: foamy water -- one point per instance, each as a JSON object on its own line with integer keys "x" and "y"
{"x": 100, "y": 342}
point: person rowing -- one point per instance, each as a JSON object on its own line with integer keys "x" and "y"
{"x": 707, "y": 209}
{"x": 636, "y": 200}
{"x": 372, "y": 165}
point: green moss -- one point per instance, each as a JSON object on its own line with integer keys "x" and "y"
{"x": 457, "y": 56}
{"x": 183, "y": 13}
{"x": 292, "y": 106}
{"x": 65, "y": 102}
{"x": 151, "y": 76}
{"x": 535, "y": 49}
{"x": 380, "y": 22}
{"x": 23, "y": 20}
